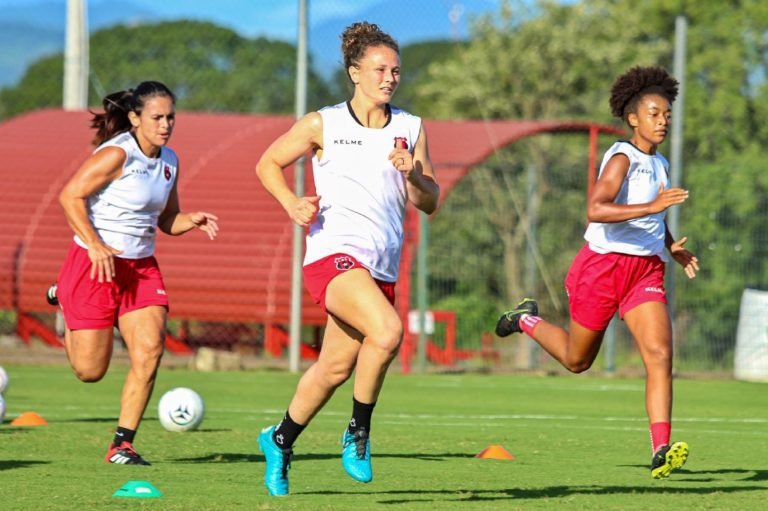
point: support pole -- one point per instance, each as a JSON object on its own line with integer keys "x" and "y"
{"x": 421, "y": 289}
{"x": 76, "y": 60}
{"x": 294, "y": 343}
{"x": 676, "y": 154}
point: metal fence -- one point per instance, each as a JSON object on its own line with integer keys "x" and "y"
{"x": 524, "y": 240}
{"x": 510, "y": 229}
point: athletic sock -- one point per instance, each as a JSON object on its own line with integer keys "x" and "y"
{"x": 287, "y": 431}
{"x": 361, "y": 416}
{"x": 660, "y": 432}
{"x": 123, "y": 435}
{"x": 528, "y": 323}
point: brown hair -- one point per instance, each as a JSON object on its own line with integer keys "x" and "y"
{"x": 360, "y": 36}
{"x": 630, "y": 87}
{"x": 114, "y": 119}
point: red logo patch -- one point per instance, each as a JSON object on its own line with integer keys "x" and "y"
{"x": 167, "y": 172}
{"x": 344, "y": 263}
{"x": 401, "y": 143}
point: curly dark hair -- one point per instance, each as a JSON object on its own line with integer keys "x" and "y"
{"x": 630, "y": 87}
{"x": 360, "y": 36}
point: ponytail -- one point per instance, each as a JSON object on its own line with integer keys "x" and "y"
{"x": 114, "y": 119}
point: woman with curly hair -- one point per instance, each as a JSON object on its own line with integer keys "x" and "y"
{"x": 621, "y": 266}
{"x": 369, "y": 159}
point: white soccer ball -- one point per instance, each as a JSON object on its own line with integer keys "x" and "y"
{"x": 3, "y": 380}
{"x": 181, "y": 409}
{"x": 2, "y": 408}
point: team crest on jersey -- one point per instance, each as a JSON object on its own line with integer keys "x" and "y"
{"x": 344, "y": 263}
{"x": 401, "y": 143}
{"x": 167, "y": 172}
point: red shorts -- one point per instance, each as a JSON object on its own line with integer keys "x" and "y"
{"x": 319, "y": 274}
{"x": 600, "y": 284}
{"x": 90, "y": 304}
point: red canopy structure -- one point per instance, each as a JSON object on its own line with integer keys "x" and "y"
{"x": 245, "y": 274}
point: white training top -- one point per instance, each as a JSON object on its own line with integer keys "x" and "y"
{"x": 362, "y": 195}
{"x": 639, "y": 236}
{"x": 125, "y": 212}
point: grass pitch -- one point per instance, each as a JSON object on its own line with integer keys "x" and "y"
{"x": 580, "y": 442}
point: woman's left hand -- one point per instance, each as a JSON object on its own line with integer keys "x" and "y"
{"x": 206, "y": 222}
{"x": 402, "y": 160}
{"x": 684, "y": 258}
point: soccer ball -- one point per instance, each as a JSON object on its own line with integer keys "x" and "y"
{"x": 181, "y": 409}
{"x": 2, "y": 408}
{"x": 3, "y": 380}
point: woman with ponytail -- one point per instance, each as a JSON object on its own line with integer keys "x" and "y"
{"x": 115, "y": 203}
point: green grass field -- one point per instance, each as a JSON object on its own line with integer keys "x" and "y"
{"x": 580, "y": 442}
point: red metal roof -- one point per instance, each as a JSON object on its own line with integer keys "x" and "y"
{"x": 244, "y": 275}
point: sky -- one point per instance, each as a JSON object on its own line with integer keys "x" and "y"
{"x": 30, "y": 29}
{"x": 277, "y": 18}
{"x": 274, "y": 18}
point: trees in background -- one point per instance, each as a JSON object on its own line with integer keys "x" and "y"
{"x": 210, "y": 68}
{"x": 726, "y": 144}
{"x": 512, "y": 227}
{"x": 548, "y": 61}
{"x": 558, "y": 61}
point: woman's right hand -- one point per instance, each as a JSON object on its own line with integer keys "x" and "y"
{"x": 102, "y": 261}
{"x": 667, "y": 198}
{"x": 304, "y": 210}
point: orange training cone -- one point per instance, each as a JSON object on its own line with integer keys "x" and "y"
{"x": 29, "y": 419}
{"x": 495, "y": 452}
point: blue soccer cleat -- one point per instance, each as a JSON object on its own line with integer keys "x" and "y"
{"x": 278, "y": 462}
{"x": 356, "y": 455}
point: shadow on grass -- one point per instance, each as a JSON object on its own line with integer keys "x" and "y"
{"x": 754, "y": 475}
{"x": 8, "y": 429}
{"x": 12, "y": 464}
{"x": 86, "y": 419}
{"x": 711, "y": 475}
{"x": 547, "y": 492}
{"x": 145, "y": 419}
{"x": 247, "y": 457}
{"x": 223, "y": 458}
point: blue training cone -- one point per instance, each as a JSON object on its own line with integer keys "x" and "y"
{"x": 138, "y": 489}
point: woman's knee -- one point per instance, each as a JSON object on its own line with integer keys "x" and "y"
{"x": 89, "y": 373}
{"x": 388, "y": 337}
{"x": 578, "y": 366}
{"x": 335, "y": 374}
{"x": 89, "y": 353}
{"x": 145, "y": 359}
{"x": 579, "y": 363}
{"x": 659, "y": 356}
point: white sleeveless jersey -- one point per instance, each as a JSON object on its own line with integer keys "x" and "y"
{"x": 125, "y": 212}
{"x": 639, "y": 236}
{"x": 362, "y": 195}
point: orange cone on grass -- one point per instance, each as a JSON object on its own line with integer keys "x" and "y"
{"x": 29, "y": 419}
{"x": 495, "y": 452}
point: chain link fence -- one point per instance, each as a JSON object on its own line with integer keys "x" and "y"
{"x": 508, "y": 230}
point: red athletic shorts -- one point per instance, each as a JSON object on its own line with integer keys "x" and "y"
{"x": 600, "y": 284}
{"x": 319, "y": 274}
{"x": 90, "y": 304}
